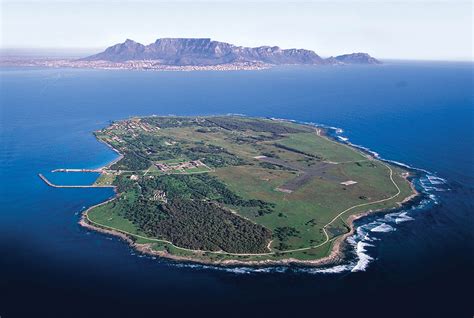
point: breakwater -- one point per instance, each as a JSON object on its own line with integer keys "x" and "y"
{"x": 49, "y": 183}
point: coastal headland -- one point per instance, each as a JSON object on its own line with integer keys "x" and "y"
{"x": 235, "y": 190}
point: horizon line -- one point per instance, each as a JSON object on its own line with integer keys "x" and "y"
{"x": 96, "y": 50}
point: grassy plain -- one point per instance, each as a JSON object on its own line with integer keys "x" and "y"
{"x": 297, "y": 172}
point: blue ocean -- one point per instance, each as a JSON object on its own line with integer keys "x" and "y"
{"x": 414, "y": 262}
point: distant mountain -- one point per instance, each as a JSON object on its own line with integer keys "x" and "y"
{"x": 190, "y": 51}
{"x": 354, "y": 58}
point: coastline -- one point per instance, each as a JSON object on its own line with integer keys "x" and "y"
{"x": 335, "y": 256}
{"x": 141, "y": 65}
{"x": 108, "y": 165}
{"x": 100, "y": 170}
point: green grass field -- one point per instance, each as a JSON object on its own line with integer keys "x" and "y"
{"x": 105, "y": 179}
{"x": 312, "y": 166}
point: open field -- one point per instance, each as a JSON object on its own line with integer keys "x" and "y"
{"x": 239, "y": 189}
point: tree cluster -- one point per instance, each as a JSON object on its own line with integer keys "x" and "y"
{"x": 201, "y": 225}
{"x": 194, "y": 216}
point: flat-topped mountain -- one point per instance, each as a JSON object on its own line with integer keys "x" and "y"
{"x": 200, "y": 52}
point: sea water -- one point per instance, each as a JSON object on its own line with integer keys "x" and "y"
{"x": 419, "y": 257}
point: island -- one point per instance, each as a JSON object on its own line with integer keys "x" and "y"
{"x": 238, "y": 190}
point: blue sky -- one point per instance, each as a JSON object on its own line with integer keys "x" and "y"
{"x": 430, "y": 30}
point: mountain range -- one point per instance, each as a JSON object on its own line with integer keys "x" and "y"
{"x": 204, "y": 51}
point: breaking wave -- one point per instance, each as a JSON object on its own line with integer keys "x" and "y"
{"x": 383, "y": 228}
{"x": 363, "y": 257}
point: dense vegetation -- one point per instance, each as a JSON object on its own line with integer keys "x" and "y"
{"x": 193, "y": 216}
{"x": 132, "y": 161}
{"x": 200, "y": 225}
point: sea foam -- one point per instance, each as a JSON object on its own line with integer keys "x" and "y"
{"x": 383, "y": 228}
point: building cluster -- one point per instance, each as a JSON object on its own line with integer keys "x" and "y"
{"x": 129, "y": 127}
{"x": 117, "y": 139}
{"x": 151, "y": 65}
{"x": 181, "y": 167}
{"x": 133, "y": 125}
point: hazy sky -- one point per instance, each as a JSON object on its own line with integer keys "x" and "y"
{"x": 396, "y": 29}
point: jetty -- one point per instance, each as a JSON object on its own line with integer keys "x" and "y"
{"x": 49, "y": 183}
{"x": 77, "y": 170}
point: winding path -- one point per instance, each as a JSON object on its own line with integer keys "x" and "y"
{"x": 327, "y": 239}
